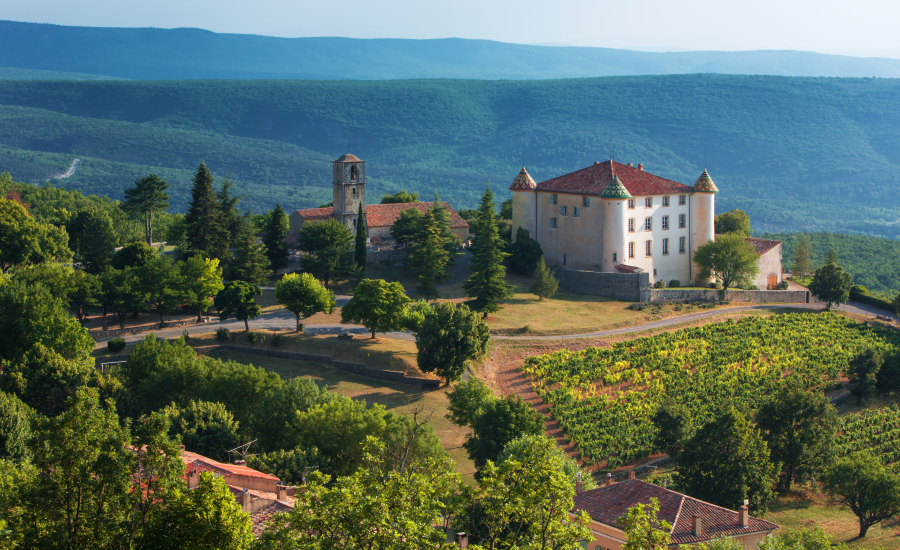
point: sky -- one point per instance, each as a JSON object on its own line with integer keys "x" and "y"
{"x": 850, "y": 27}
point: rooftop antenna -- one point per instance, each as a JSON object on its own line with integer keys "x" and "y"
{"x": 704, "y": 159}
{"x": 241, "y": 450}
{"x": 523, "y": 157}
{"x": 348, "y": 146}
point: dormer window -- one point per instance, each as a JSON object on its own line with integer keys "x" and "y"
{"x": 353, "y": 173}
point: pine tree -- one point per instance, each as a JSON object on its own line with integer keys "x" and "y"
{"x": 545, "y": 283}
{"x": 232, "y": 219}
{"x": 802, "y": 257}
{"x": 147, "y": 196}
{"x": 448, "y": 238}
{"x": 276, "y": 233}
{"x": 361, "y": 239}
{"x": 429, "y": 258}
{"x": 249, "y": 262}
{"x": 487, "y": 286}
{"x": 204, "y": 231}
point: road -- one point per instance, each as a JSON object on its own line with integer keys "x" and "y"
{"x": 71, "y": 169}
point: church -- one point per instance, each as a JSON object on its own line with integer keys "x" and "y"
{"x": 617, "y": 218}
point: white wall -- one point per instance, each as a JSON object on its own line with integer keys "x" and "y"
{"x": 667, "y": 267}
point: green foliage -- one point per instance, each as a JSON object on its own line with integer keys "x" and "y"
{"x": 206, "y": 233}
{"x": 726, "y": 462}
{"x": 448, "y": 338}
{"x": 276, "y": 231}
{"x": 116, "y": 345}
{"x": 328, "y": 243}
{"x": 25, "y": 241}
{"x": 862, "y": 483}
{"x": 830, "y": 283}
{"x": 735, "y": 221}
{"x": 248, "y": 262}
{"x": 415, "y": 314}
{"x": 498, "y": 422}
{"x": 814, "y": 538}
{"x": 643, "y": 528}
{"x": 523, "y": 450}
{"x": 545, "y": 283}
{"x": 149, "y": 195}
{"x": 872, "y": 430}
{"x": 275, "y": 415}
{"x": 252, "y": 337}
{"x": 360, "y": 244}
{"x": 407, "y": 227}
{"x": 467, "y": 400}
{"x": 524, "y": 253}
{"x": 205, "y": 428}
{"x": 400, "y": 197}
{"x": 859, "y": 289}
{"x": 672, "y": 422}
{"x": 729, "y": 259}
{"x": 798, "y": 427}
{"x": 223, "y": 334}
{"x": 429, "y": 258}
{"x": 201, "y": 279}
{"x": 233, "y": 221}
{"x": 303, "y": 295}
{"x": 236, "y": 300}
{"x": 862, "y": 371}
{"x": 92, "y": 238}
{"x": 487, "y": 285}
{"x": 291, "y": 466}
{"x": 160, "y": 282}
{"x": 377, "y": 305}
{"x": 137, "y": 254}
{"x": 15, "y": 428}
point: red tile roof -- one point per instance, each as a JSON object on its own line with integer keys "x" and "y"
{"x": 261, "y": 518}
{"x": 384, "y": 215}
{"x": 316, "y": 213}
{"x": 629, "y": 269}
{"x": 762, "y": 245}
{"x": 196, "y": 461}
{"x": 609, "y": 503}
{"x": 594, "y": 179}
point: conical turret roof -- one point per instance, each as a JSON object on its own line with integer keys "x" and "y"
{"x": 523, "y": 182}
{"x": 705, "y": 184}
{"x": 615, "y": 190}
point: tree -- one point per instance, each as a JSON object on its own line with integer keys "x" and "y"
{"x": 862, "y": 483}
{"x": 303, "y": 295}
{"x": 205, "y": 231}
{"x": 451, "y": 242}
{"x": 161, "y": 282}
{"x": 361, "y": 239}
{"x": 201, "y": 280}
{"x": 415, "y": 314}
{"x": 735, "y": 222}
{"x": 487, "y": 286}
{"x": 205, "y": 428}
{"x": 232, "y": 220}
{"x": 862, "y": 371}
{"x": 798, "y": 426}
{"x": 236, "y": 300}
{"x": 643, "y": 528}
{"x": 730, "y": 259}
{"x": 400, "y": 197}
{"x": 93, "y": 239}
{"x": 277, "y": 407}
{"x": 506, "y": 210}
{"x": 830, "y": 284}
{"x": 522, "y": 449}
{"x": 467, "y": 401}
{"x": 45, "y": 380}
{"x": 121, "y": 291}
{"x": 673, "y": 427}
{"x": 429, "y": 259}
{"x": 83, "y": 294}
{"x": 525, "y": 501}
{"x": 328, "y": 244}
{"x": 276, "y": 231}
{"x": 814, "y": 538}
{"x": 802, "y": 265}
{"x": 448, "y": 339}
{"x": 136, "y": 254}
{"x": 524, "y": 253}
{"x": 498, "y": 422}
{"x": 377, "y": 305}
{"x": 248, "y": 263}
{"x": 24, "y": 241}
{"x": 726, "y": 462}
{"x": 407, "y": 227}
{"x": 15, "y": 428}
{"x": 148, "y": 195}
{"x": 545, "y": 283}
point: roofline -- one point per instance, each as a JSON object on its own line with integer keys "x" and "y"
{"x": 606, "y": 198}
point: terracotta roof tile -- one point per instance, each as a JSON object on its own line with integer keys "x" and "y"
{"x": 594, "y": 179}
{"x": 384, "y": 215}
{"x": 261, "y": 518}
{"x": 316, "y": 213}
{"x": 762, "y": 245}
{"x": 196, "y": 461}
{"x": 624, "y": 268}
{"x": 608, "y": 503}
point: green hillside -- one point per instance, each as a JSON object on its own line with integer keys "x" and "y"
{"x": 796, "y": 153}
{"x": 15, "y": 73}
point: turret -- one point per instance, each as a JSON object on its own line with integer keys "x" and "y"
{"x": 524, "y": 204}
{"x": 615, "y": 198}
{"x": 703, "y": 214}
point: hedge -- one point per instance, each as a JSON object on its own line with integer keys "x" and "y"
{"x": 873, "y": 301}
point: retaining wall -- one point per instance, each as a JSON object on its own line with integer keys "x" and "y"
{"x": 622, "y": 286}
{"x": 712, "y": 295}
{"x": 355, "y": 368}
{"x": 157, "y": 326}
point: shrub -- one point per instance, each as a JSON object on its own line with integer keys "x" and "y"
{"x": 252, "y": 337}
{"x": 659, "y": 284}
{"x": 223, "y": 334}
{"x": 716, "y": 285}
{"x": 783, "y": 285}
{"x": 674, "y": 283}
{"x": 276, "y": 340}
{"x": 859, "y": 289}
{"x": 636, "y": 306}
{"x": 116, "y": 345}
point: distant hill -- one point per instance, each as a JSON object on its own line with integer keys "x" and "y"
{"x": 814, "y": 154}
{"x": 151, "y": 54}
{"x": 14, "y": 73}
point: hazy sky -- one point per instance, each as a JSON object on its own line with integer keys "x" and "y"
{"x": 854, "y": 27}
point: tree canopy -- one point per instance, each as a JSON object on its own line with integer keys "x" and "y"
{"x": 377, "y": 305}
{"x": 328, "y": 243}
{"x": 830, "y": 283}
{"x": 735, "y": 221}
{"x": 149, "y": 195}
{"x": 487, "y": 285}
{"x": 863, "y": 484}
{"x": 448, "y": 338}
{"x": 303, "y": 295}
{"x": 729, "y": 259}
{"x": 236, "y": 300}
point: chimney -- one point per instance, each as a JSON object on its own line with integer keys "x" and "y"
{"x": 193, "y": 478}
{"x": 631, "y": 474}
{"x": 698, "y": 526}
{"x": 744, "y": 514}
{"x": 281, "y": 492}
{"x": 239, "y": 462}
{"x": 245, "y": 500}
{"x": 462, "y": 540}
{"x": 665, "y": 482}
{"x": 631, "y": 165}
{"x": 641, "y": 167}
{"x": 609, "y": 480}
{"x": 596, "y": 162}
{"x": 182, "y": 447}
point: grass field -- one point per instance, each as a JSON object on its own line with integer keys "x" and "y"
{"x": 399, "y": 398}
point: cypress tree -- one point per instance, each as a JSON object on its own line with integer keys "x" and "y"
{"x": 487, "y": 285}
{"x": 204, "y": 231}
{"x": 361, "y": 239}
{"x": 449, "y": 241}
{"x": 276, "y": 233}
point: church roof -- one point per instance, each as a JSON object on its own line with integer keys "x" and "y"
{"x": 384, "y": 215}
{"x": 349, "y": 157}
{"x": 615, "y": 190}
{"x": 594, "y": 179}
{"x": 705, "y": 184}
{"x": 316, "y": 213}
{"x": 523, "y": 182}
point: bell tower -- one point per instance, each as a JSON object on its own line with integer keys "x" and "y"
{"x": 349, "y": 183}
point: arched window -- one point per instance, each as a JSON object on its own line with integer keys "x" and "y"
{"x": 353, "y": 173}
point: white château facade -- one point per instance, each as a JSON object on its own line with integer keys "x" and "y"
{"x": 613, "y": 217}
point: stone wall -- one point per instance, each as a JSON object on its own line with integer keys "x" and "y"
{"x": 622, "y": 286}
{"x": 355, "y": 368}
{"x": 147, "y": 328}
{"x": 712, "y": 295}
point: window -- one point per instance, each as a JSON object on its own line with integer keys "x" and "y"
{"x": 648, "y": 248}
{"x": 682, "y": 200}
{"x": 354, "y": 222}
{"x": 615, "y": 257}
{"x": 564, "y": 259}
{"x": 631, "y": 225}
{"x": 554, "y": 198}
{"x": 576, "y": 212}
{"x": 563, "y": 210}
{"x": 665, "y": 201}
{"x": 648, "y": 224}
{"x": 586, "y": 202}
{"x": 681, "y": 221}
{"x": 552, "y": 223}
{"x": 631, "y": 250}
{"x": 681, "y": 243}
{"x": 353, "y": 173}
{"x": 631, "y": 203}
{"x": 648, "y": 202}
{"x": 665, "y": 222}
{"x": 354, "y": 191}
{"x": 665, "y": 247}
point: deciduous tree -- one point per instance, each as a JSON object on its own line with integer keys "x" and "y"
{"x": 149, "y": 195}
{"x": 862, "y": 483}
{"x": 377, "y": 305}
{"x": 467, "y": 400}
{"x": 399, "y": 197}
{"x": 449, "y": 337}
{"x": 236, "y": 300}
{"x": 735, "y": 221}
{"x": 328, "y": 244}
{"x": 161, "y": 283}
{"x": 407, "y": 227}
{"x": 673, "y": 427}
{"x": 134, "y": 255}
{"x": 643, "y": 528}
{"x": 205, "y": 428}
{"x": 498, "y": 422}
{"x": 545, "y": 283}
{"x": 201, "y": 281}
{"x": 15, "y": 428}
{"x": 830, "y": 283}
{"x": 524, "y": 253}
{"x": 730, "y": 259}
{"x": 862, "y": 371}
{"x": 276, "y": 231}
{"x": 24, "y": 241}
{"x": 487, "y": 285}
{"x": 92, "y": 238}
{"x": 303, "y": 295}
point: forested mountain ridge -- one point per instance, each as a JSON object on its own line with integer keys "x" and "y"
{"x": 795, "y": 153}
{"x": 147, "y": 53}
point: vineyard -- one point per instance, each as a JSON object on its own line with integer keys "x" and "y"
{"x": 875, "y": 430}
{"x": 603, "y": 398}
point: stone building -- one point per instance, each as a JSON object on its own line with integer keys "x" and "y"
{"x": 770, "y": 263}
